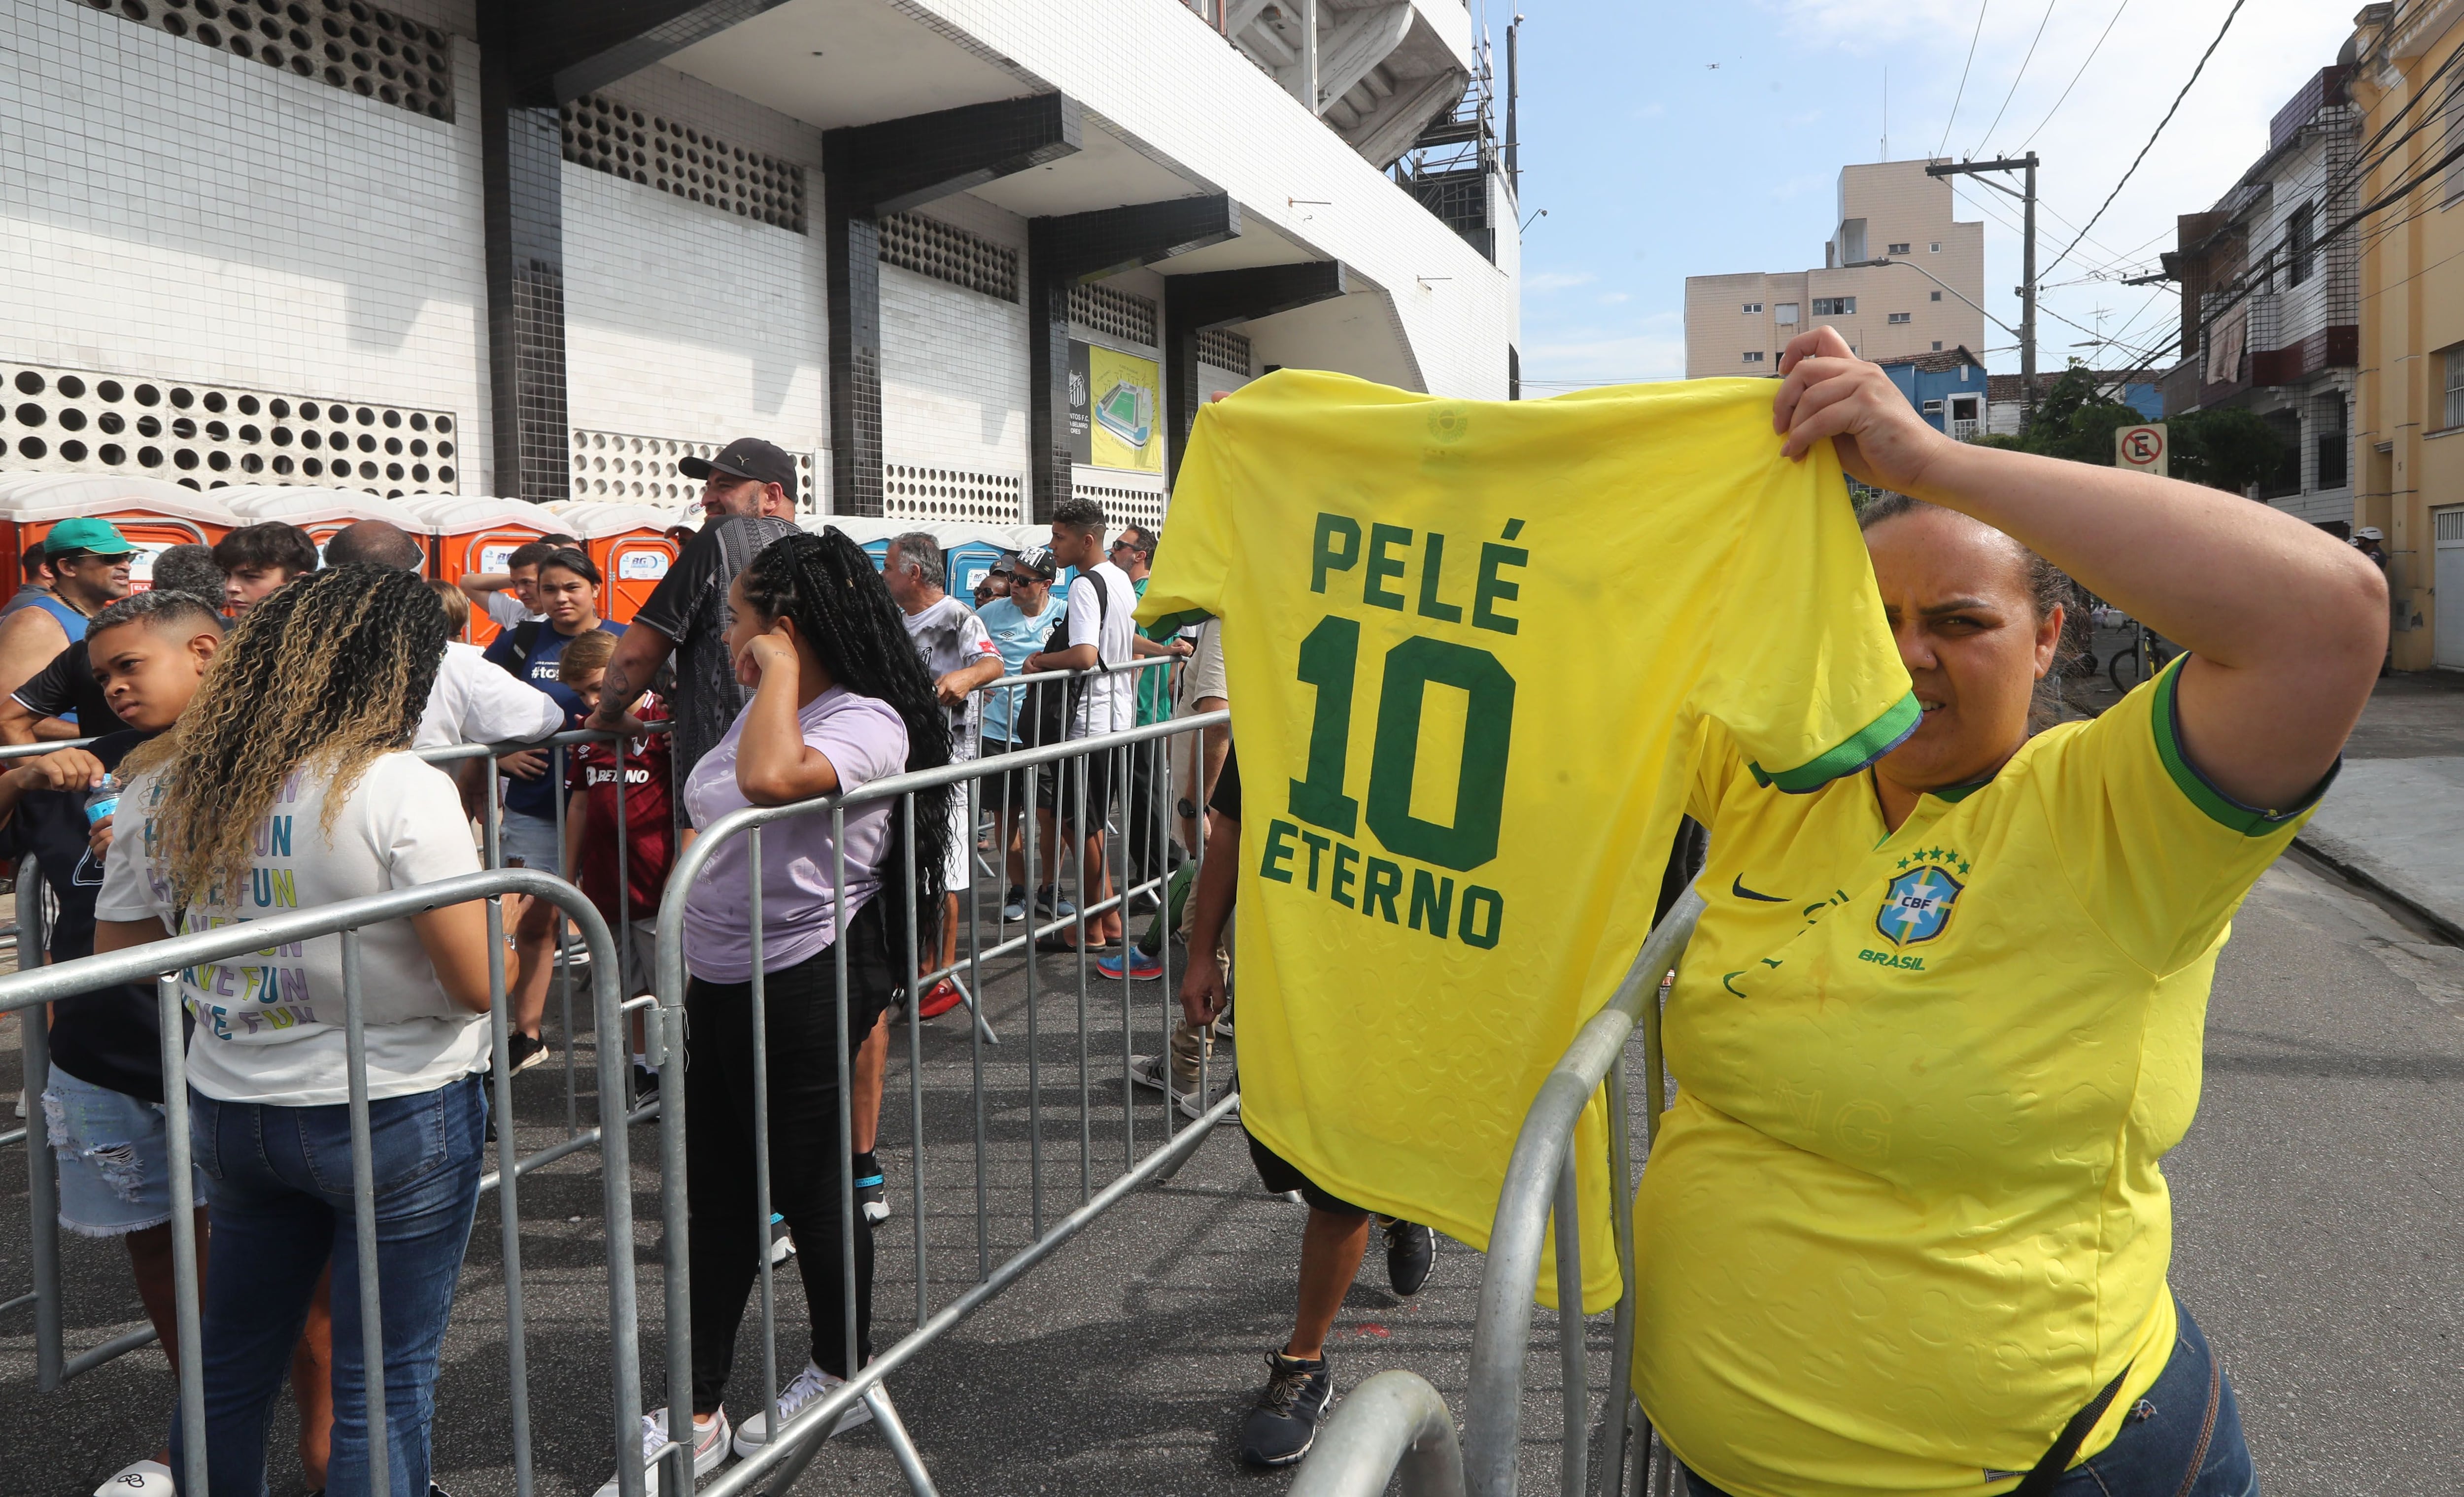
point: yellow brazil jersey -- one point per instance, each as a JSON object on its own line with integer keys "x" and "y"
{"x": 1470, "y": 643}
{"x": 1905, "y": 1216}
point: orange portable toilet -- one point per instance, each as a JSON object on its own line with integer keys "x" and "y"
{"x": 154, "y": 515}
{"x": 474, "y": 532}
{"x": 320, "y": 512}
{"x": 630, "y": 545}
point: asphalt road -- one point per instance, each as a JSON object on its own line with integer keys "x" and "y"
{"x": 2320, "y": 1238}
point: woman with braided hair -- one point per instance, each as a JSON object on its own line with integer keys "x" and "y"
{"x": 288, "y": 783}
{"x": 840, "y": 700}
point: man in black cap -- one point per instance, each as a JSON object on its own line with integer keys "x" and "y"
{"x": 748, "y": 499}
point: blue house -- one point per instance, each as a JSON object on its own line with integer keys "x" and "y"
{"x": 1947, "y": 388}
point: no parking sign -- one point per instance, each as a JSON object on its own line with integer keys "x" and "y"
{"x": 2143, "y": 447}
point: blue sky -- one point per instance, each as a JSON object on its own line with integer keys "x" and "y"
{"x": 1653, "y": 164}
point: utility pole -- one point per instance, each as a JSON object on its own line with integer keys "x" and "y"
{"x": 1513, "y": 157}
{"x": 2027, "y": 290}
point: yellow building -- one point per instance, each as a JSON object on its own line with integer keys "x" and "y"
{"x": 2409, "y": 397}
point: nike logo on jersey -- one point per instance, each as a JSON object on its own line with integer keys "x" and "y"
{"x": 1740, "y": 889}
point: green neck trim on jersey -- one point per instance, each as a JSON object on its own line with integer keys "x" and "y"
{"x": 2221, "y": 808}
{"x": 1955, "y": 794}
{"x": 1877, "y": 739}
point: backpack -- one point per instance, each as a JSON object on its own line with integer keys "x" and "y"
{"x": 1049, "y": 713}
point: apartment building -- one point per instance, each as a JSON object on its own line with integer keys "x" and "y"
{"x": 2408, "y": 389}
{"x": 1928, "y": 299}
{"x": 2268, "y": 299}
{"x": 567, "y": 242}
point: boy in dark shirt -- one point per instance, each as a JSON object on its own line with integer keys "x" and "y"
{"x": 104, "y": 1104}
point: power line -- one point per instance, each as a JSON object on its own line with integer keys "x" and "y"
{"x": 2042, "y": 23}
{"x": 1982, "y": 7}
{"x": 2075, "y": 77}
{"x": 2158, "y": 131}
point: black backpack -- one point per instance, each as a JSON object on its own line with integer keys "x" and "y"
{"x": 1049, "y": 713}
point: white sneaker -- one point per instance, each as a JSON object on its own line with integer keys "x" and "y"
{"x": 140, "y": 1479}
{"x": 810, "y": 1385}
{"x": 782, "y": 1242}
{"x": 710, "y": 1450}
{"x": 1148, "y": 1071}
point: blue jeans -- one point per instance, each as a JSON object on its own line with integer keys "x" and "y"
{"x": 281, "y": 1207}
{"x": 2166, "y": 1427}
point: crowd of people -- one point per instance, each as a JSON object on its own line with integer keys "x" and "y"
{"x": 253, "y": 718}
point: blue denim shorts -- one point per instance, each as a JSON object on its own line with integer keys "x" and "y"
{"x": 531, "y": 839}
{"x": 115, "y": 1158}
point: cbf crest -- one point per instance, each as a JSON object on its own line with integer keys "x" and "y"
{"x": 1917, "y": 906}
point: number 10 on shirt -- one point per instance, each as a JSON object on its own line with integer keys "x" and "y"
{"x": 1330, "y": 661}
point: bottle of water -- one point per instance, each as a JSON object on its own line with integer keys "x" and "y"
{"x": 102, "y": 800}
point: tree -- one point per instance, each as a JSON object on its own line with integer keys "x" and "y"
{"x": 2226, "y": 447}
{"x": 2073, "y": 421}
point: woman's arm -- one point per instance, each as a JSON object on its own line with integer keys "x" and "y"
{"x": 456, "y": 939}
{"x": 2286, "y": 625}
{"x": 774, "y": 764}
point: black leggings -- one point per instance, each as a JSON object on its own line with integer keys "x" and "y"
{"x": 806, "y": 1152}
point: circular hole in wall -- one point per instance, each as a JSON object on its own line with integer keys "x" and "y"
{"x": 183, "y": 429}
{"x": 281, "y": 463}
{"x": 368, "y": 417}
{"x": 250, "y": 434}
{"x": 278, "y": 408}
{"x": 311, "y": 467}
{"x": 217, "y": 430}
{"x": 312, "y": 439}
{"x": 219, "y": 462}
{"x": 183, "y": 397}
{"x": 73, "y": 419}
{"x": 394, "y": 471}
{"x": 367, "y": 444}
{"x": 418, "y": 422}
{"x": 445, "y": 475}
{"x": 112, "y": 453}
{"x": 110, "y": 421}
{"x": 29, "y": 414}
{"x": 418, "y": 473}
{"x": 281, "y": 436}
{"x": 149, "y": 426}
{"x": 393, "y": 445}
{"x": 445, "y": 422}
{"x": 147, "y": 395}
{"x": 249, "y": 462}
{"x": 186, "y": 458}
{"x": 248, "y": 405}
{"x": 109, "y": 389}
{"x": 28, "y": 382}
{"x": 71, "y": 387}
{"x": 367, "y": 469}
{"x": 31, "y": 447}
{"x": 307, "y": 410}
{"x": 215, "y": 400}
{"x": 74, "y": 452}
{"x": 149, "y": 458}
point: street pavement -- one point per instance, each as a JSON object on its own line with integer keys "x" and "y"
{"x": 2394, "y": 819}
{"x": 2319, "y": 1238}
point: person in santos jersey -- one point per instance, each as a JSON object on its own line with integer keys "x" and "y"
{"x": 1942, "y": 1019}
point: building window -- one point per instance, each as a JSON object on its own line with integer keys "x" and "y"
{"x": 2330, "y": 439}
{"x": 1937, "y": 348}
{"x": 1785, "y": 313}
{"x": 1935, "y": 248}
{"x": 1899, "y": 248}
{"x": 1901, "y": 317}
{"x": 2455, "y": 386}
{"x": 2299, "y": 228}
{"x": 1935, "y": 297}
{"x": 1835, "y": 306}
{"x": 1754, "y": 356}
{"x": 1752, "y": 307}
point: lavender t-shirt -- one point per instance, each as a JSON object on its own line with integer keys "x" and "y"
{"x": 865, "y": 740}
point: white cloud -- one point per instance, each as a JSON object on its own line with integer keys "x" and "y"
{"x": 1614, "y": 299}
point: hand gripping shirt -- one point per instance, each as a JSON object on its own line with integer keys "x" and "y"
{"x": 1905, "y": 1218}
{"x": 1472, "y": 644}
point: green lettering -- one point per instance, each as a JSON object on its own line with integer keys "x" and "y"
{"x": 1483, "y": 936}
{"x": 1328, "y": 660}
{"x": 1384, "y": 882}
{"x": 1279, "y": 849}
{"x": 1480, "y": 785}
{"x": 1324, "y": 558}
{"x": 1434, "y": 897}
{"x": 1316, "y": 846}
{"x": 1345, "y": 854}
{"x": 1490, "y": 588}
{"x": 1381, "y": 566}
{"x": 1430, "y": 607}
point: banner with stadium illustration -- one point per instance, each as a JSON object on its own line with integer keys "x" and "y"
{"x": 1114, "y": 400}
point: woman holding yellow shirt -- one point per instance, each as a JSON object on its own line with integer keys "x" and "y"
{"x": 1905, "y": 1230}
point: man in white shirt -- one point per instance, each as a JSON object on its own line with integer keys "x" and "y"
{"x": 1100, "y": 634}
{"x": 510, "y": 596}
{"x": 473, "y": 701}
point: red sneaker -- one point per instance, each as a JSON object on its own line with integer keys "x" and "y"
{"x": 943, "y": 996}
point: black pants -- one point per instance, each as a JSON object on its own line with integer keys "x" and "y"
{"x": 1149, "y": 828}
{"x": 806, "y": 1151}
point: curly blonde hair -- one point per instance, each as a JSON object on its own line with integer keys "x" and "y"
{"x": 324, "y": 675}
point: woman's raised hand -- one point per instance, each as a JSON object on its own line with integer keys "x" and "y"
{"x": 1825, "y": 390}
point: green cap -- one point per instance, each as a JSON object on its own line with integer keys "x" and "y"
{"x": 98, "y": 535}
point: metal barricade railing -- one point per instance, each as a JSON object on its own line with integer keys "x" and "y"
{"x": 1371, "y": 1441}
{"x": 793, "y": 1444}
{"x": 26, "y": 991}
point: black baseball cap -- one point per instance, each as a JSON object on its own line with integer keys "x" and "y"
{"x": 1034, "y": 562}
{"x": 746, "y": 457}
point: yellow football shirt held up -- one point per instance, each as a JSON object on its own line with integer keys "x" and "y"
{"x": 1472, "y": 643}
{"x": 1905, "y": 1216}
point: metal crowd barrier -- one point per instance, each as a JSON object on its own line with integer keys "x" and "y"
{"x": 26, "y": 991}
{"x": 1404, "y": 1429}
{"x": 794, "y": 1444}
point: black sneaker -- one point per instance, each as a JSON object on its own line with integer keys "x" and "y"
{"x": 1280, "y": 1430}
{"x": 1411, "y": 1252}
{"x": 646, "y": 1085}
{"x": 868, "y": 1201}
{"x": 525, "y": 1051}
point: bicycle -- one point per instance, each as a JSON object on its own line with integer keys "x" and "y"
{"x": 2143, "y": 658}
